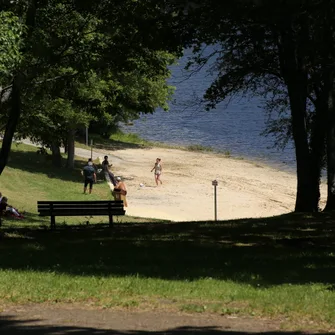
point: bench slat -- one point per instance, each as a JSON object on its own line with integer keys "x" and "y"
{"x": 81, "y": 202}
{"x": 87, "y": 207}
{"x": 81, "y": 213}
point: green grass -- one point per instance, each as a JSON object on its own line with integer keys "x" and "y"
{"x": 281, "y": 267}
{"x": 122, "y": 137}
{"x": 271, "y": 267}
{"x": 197, "y": 147}
{"x": 121, "y": 140}
{"x": 118, "y": 140}
{"x": 30, "y": 177}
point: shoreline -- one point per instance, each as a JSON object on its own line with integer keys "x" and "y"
{"x": 246, "y": 189}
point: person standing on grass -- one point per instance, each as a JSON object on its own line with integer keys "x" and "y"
{"x": 158, "y": 171}
{"x": 89, "y": 176}
{"x": 108, "y": 173}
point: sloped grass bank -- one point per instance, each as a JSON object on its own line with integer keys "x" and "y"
{"x": 30, "y": 177}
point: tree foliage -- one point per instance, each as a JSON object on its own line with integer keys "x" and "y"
{"x": 84, "y": 61}
{"x": 281, "y": 51}
{"x": 10, "y": 40}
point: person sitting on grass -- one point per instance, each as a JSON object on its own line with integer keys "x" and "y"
{"x": 6, "y": 209}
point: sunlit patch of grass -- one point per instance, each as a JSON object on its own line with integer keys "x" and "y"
{"x": 198, "y": 147}
{"x": 128, "y": 138}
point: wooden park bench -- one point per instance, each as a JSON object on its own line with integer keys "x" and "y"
{"x": 80, "y": 208}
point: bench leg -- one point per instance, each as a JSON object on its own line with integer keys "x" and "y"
{"x": 53, "y": 222}
{"x": 110, "y": 221}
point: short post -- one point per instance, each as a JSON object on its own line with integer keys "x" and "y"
{"x": 91, "y": 149}
{"x": 87, "y": 136}
{"x": 110, "y": 214}
{"x": 215, "y": 184}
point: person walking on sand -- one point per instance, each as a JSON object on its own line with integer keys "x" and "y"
{"x": 89, "y": 176}
{"x": 158, "y": 171}
{"x": 120, "y": 191}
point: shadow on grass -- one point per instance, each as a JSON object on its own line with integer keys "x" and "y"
{"x": 262, "y": 252}
{"x": 32, "y": 162}
{"x": 11, "y": 326}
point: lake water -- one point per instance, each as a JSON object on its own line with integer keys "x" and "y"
{"x": 235, "y": 128}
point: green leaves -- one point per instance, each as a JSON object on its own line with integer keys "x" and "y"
{"x": 11, "y": 31}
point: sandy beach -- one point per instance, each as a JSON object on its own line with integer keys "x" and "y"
{"x": 245, "y": 189}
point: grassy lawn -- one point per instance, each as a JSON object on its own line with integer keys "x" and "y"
{"x": 281, "y": 267}
{"x": 30, "y": 177}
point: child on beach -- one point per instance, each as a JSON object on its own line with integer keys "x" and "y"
{"x": 158, "y": 170}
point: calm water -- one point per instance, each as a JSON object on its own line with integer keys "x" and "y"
{"x": 235, "y": 128}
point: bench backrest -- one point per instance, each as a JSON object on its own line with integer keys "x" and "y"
{"x": 99, "y": 207}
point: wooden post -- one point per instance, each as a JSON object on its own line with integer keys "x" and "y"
{"x": 215, "y": 184}
{"x": 110, "y": 215}
{"x": 53, "y": 220}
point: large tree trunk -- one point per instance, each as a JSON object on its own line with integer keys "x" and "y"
{"x": 307, "y": 191}
{"x": 70, "y": 149}
{"x": 329, "y": 74}
{"x": 293, "y": 70}
{"x": 331, "y": 153}
{"x": 13, "y": 119}
{"x": 318, "y": 137}
{"x": 56, "y": 156}
{"x": 15, "y": 109}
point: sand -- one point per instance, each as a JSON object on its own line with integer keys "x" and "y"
{"x": 245, "y": 189}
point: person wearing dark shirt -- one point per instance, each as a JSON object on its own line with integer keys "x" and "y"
{"x": 89, "y": 176}
{"x": 108, "y": 173}
{"x": 5, "y": 208}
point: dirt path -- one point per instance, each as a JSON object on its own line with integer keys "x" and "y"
{"x": 67, "y": 319}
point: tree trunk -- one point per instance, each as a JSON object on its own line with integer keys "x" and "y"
{"x": 56, "y": 156}
{"x": 15, "y": 109}
{"x": 292, "y": 65}
{"x": 318, "y": 136}
{"x": 331, "y": 153}
{"x": 306, "y": 181}
{"x": 64, "y": 141}
{"x": 13, "y": 119}
{"x": 70, "y": 149}
{"x": 329, "y": 73}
